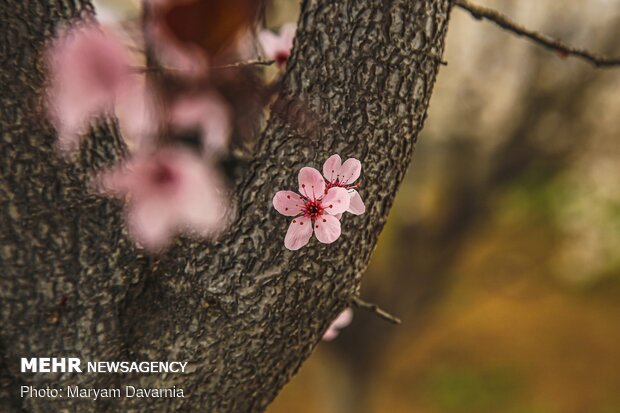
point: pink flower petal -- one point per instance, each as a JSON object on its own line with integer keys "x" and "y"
{"x": 311, "y": 183}
{"x": 89, "y": 67}
{"x": 150, "y": 225}
{"x": 287, "y": 33}
{"x": 356, "y": 207}
{"x": 136, "y": 112}
{"x": 298, "y": 234}
{"x": 192, "y": 34}
{"x": 209, "y": 113}
{"x": 350, "y": 171}
{"x": 330, "y": 334}
{"x": 343, "y": 320}
{"x": 327, "y": 229}
{"x": 168, "y": 191}
{"x": 270, "y": 43}
{"x": 246, "y": 45}
{"x": 185, "y": 58}
{"x": 203, "y": 203}
{"x": 71, "y": 121}
{"x": 331, "y": 168}
{"x": 336, "y": 201}
{"x": 288, "y": 203}
{"x": 278, "y": 46}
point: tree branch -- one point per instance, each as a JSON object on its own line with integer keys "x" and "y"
{"x": 245, "y": 63}
{"x": 242, "y": 310}
{"x": 485, "y": 13}
{"x": 375, "y": 309}
{"x": 257, "y": 62}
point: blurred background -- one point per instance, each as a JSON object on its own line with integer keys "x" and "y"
{"x": 502, "y": 252}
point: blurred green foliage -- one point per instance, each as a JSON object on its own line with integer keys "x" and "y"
{"x": 472, "y": 389}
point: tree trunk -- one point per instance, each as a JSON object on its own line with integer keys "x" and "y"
{"x": 243, "y": 311}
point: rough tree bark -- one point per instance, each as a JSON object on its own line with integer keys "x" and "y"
{"x": 244, "y": 311}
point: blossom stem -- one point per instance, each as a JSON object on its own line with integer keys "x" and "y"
{"x": 138, "y": 69}
{"x": 257, "y": 62}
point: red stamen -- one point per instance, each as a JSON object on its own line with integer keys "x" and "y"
{"x": 313, "y": 209}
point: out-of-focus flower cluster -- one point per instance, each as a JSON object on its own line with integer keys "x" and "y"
{"x": 178, "y": 120}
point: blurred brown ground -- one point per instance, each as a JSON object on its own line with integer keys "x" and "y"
{"x": 502, "y": 252}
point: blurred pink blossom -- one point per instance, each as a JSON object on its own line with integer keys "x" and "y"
{"x": 168, "y": 191}
{"x": 190, "y": 35}
{"x": 314, "y": 210}
{"x": 137, "y": 114}
{"x": 183, "y": 57}
{"x": 278, "y": 46}
{"x": 343, "y": 175}
{"x": 209, "y": 114}
{"x": 90, "y": 72}
{"x": 343, "y": 320}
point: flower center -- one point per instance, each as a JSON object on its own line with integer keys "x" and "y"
{"x": 281, "y": 58}
{"x": 313, "y": 209}
{"x": 163, "y": 175}
{"x": 106, "y": 74}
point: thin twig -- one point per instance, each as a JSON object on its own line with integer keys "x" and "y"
{"x": 137, "y": 69}
{"x": 140, "y": 70}
{"x": 375, "y": 309}
{"x": 481, "y": 13}
{"x": 257, "y": 62}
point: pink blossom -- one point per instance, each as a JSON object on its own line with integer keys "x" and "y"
{"x": 278, "y": 46}
{"x": 313, "y": 210}
{"x": 184, "y": 57}
{"x": 191, "y": 35}
{"x": 137, "y": 115}
{"x": 344, "y": 175}
{"x": 90, "y": 72}
{"x": 209, "y": 114}
{"x": 167, "y": 191}
{"x": 343, "y": 320}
